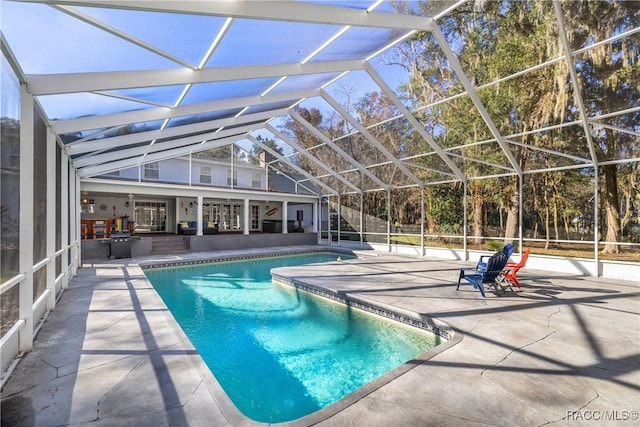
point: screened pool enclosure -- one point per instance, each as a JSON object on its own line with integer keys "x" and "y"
{"x": 411, "y": 124}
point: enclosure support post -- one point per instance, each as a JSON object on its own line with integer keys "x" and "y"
{"x": 422, "y": 220}
{"x": 51, "y": 216}
{"x": 329, "y": 222}
{"x": 389, "y": 220}
{"x": 177, "y": 211}
{"x": 26, "y": 219}
{"x": 199, "y": 202}
{"x": 73, "y": 219}
{"x": 361, "y": 220}
{"x": 75, "y": 230}
{"x": 245, "y": 217}
{"x": 285, "y": 217}
{"x": 596, "y": 221}
{"x": 65, "y": 217}
{"x": 339, "y": 210}
{"x": 464, "y": 223}
{"x": 520, "y": 203}
{"x": 316, "y": 217}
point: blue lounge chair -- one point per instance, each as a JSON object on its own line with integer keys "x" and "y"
{"x": 508, "y": 249}
{"x": 488, "y": 276}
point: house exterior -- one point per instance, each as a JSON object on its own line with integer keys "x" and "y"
{"x": 198, "y": 171}
{"x": 157, "y": 197}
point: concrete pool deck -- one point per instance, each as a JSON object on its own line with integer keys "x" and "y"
{"x": 565, "y": 350}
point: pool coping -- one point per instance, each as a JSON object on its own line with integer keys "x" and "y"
{"x": 146, "y": 265}
{"x": 438, "y": 328}
{"x": 451, "y": 336}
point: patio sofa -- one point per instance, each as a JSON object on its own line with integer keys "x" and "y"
{"x": 187, "y": 228}
{"x": 190, "y": 227}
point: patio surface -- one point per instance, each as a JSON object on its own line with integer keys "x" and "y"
{"x": 565, "y": 350}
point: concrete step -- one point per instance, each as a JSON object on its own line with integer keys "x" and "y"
{"x": 169, "y": 245}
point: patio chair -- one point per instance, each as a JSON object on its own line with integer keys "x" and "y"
{"x": 186, "y": 228}
{"x": 99, "y": 231}
{"x": 493, "y": 269}
{"x": 509, "y": 276}
{"x": 211, "y": 227}
{"x": 482, "y": 264}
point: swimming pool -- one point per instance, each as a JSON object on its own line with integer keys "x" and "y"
{"x": 278, "y": 352}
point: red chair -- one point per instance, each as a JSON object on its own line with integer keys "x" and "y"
{"x": 511, "y": 269}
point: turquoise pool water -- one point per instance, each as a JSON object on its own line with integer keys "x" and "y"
{"x": 278, "y": 352}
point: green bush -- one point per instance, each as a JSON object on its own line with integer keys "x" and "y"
{"x": 495, "y": 245}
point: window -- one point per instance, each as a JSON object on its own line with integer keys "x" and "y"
{"x": 256, "y": 180}
{"x": 255, "y": 217}
{"x": 151, "y": 170}
{"x": 205, "y": 175}
{"x": 235, "y": 178}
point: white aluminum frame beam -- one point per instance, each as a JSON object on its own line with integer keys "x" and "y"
{"x": 192, "y": 142}
{"x": 26, "y": 215}
{"x": 561, "y": 58}
{"x": 54, "y": 84}
{"x": 302, "y": 151}
{"x": 596, "y": 123}
{"x": 267, "y": 10}
{"x": 577, "y": 95}
{"x": 408, "y": 161}
{"x": 154, "y": 157}
{"x": 291, "y": 165}
{"x": 548, "y": 151}
{"x": 114, "y": 31}
{"x": 140, "y": 116}
{"x": 135, "y": 138}
{"x": 466, "y": 83}
{"x": 132, "y": 99}
{"x": 412, "y": 120}
{"x": 337, "y": 149}
{"x": 615, "y": 113}
{"x": 297, "y": 184}
{"x": 576, "y": 86}
{"x": 482, "y": 162}
{"x": 148, "y": 188}
{"x": 367, "y": 135}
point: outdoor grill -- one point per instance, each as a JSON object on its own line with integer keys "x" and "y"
{"x": 120, "y": 244}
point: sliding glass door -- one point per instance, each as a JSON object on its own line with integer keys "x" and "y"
{"x": 150, "y": 217}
